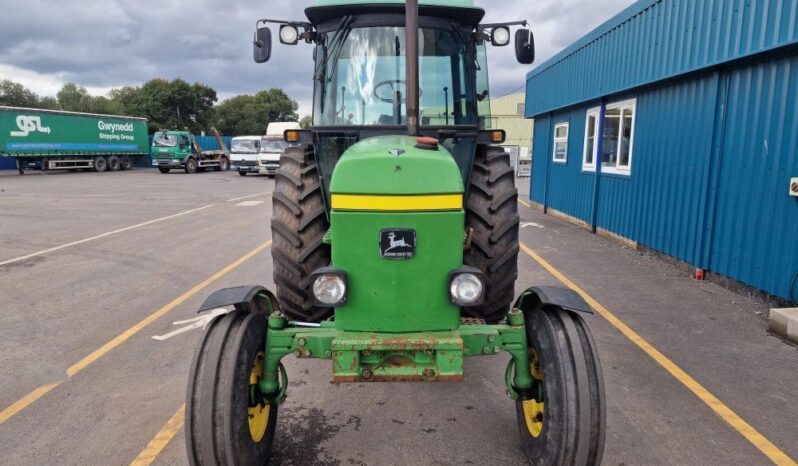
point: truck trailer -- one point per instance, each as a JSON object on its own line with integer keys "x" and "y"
{"x": 58, "y": 140}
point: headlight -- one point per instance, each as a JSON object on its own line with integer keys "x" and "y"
{"x": 289, "y": 34}
{"x": 466, "y": 287}
{"x": 500, "y": 36}
{"x": 329, "y": 287}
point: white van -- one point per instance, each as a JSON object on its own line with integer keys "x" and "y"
{"x": 260, "y": 154}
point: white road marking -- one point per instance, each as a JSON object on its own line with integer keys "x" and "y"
{"x": 103, "y": 235}
{"x": 190, "y": 324}
{"x": 247, "y": 197}
{"x": 531, "y": 224}
{"x": 249, "y": 203}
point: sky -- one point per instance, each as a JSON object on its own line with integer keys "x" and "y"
{"x": 112, "y": 43}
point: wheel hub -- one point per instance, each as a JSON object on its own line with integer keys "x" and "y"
{"x": 533, "y": 409}
{"x": 258, "y": 411}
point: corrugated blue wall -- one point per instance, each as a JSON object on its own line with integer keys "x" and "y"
{"x": 662, "y": 204}
{"x": 713, "y": 157}
{"x": 656, "y": 39}
{"x": 755, "y": 236}
{"x": 7, "y": 163}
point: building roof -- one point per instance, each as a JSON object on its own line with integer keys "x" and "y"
{"x": 654, "y": 40}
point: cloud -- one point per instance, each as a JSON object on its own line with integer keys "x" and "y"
{"x": 112, "y": 43}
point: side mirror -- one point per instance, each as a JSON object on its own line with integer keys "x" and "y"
{"x": 524, "y": 46}
{"x": 262, "y": 45}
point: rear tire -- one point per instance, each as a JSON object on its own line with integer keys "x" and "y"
{"x": 569, "y": 427}
{"x": 298, "y": 227}
{"x": 100, "y": 164}
{"x": 164, "y": 170}
{"x": 191, "y": 166}
{"x": 492, "y": 216}
{"x": 113, "y": 163}
{"x": 125, "y": 162}
{"x": 224, "y": 165}
{"x": 227, "y": 419}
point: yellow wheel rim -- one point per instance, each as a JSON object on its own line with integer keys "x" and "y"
{"x": 533, "y": 410}
{"x": 259, "y": 414}
{"x": 533, "y": 415}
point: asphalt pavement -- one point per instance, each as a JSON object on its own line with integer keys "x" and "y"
{"x": 92, "y": 266}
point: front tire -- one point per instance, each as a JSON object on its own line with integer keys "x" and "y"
{"x": 242, "y": 173}
{"x": 492, "y": 217}
{"x": 191, "y": 166}
{"x": 298, "y": 227}
{"x": 164, "y": 170}
{"x": 562, "y": 420}
{"x": 228, "y": 421}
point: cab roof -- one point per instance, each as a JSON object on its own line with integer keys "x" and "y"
{"x": 324, "y": 10}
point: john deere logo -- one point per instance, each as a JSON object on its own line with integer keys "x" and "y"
{"x": 397, "y": 244}
{"x": 29, "y": 124}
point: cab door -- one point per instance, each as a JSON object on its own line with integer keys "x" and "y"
{"x": 184, "y": 146}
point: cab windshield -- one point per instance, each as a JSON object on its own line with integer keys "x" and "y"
{"x": 164, "y": 140}
{"x": 363, "y": 82}
{"x": 273, "y": 146}
{"x": 244, "y": 146}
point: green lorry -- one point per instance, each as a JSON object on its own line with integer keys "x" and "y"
{"x": 57, "y": 140}
{"x": 180, "y": 150}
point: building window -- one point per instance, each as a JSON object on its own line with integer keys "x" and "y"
{"x": 591, "y": 142}
{"x": 619, "y": 125}
{"x": 560, "y": 143}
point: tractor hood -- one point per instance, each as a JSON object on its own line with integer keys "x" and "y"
{"x": 393, "y": 165}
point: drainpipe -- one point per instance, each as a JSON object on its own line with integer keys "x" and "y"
{"x": 411, "y": 65}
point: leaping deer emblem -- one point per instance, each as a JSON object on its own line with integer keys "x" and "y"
{"x": 396, "y": 243}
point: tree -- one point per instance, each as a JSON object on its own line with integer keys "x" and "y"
{"x": 306, "y": 122}
{"x": 16, "y": 95}
{"x": 250, "y": 114}
{"x": 173, "y": 104}
{"x": 74, "y": 98}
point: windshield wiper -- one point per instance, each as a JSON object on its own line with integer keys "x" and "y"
{"x": 333, "y": 48}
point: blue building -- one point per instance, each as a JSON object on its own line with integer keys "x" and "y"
{"x": 675, "y": 125}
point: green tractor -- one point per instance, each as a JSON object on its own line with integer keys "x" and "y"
{"x": 395, "y": 230}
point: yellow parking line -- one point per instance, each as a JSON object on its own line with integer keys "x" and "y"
{"x": 739, "y": 424}
{"x": 524, "y": 203}
{"x": 161, "y": 439}
{"x": 31, "y": 397}
{"x": 26, "y": 400}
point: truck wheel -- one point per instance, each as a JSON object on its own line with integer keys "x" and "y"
{"x": 299, "y": 223}
{"x": 164, "y": 170}
{"x": 242, "y": 173}
{"x": 100, "y": 164}
{"x": 224, "y": 165}
{"x": 492, "y": 217}
{"x": 113, "y": 163}
{"x": 191, "y": 166}
{"x": 125, "y": 162}
{"x": 228, "y": 420}
{"x": 562, "y": 420}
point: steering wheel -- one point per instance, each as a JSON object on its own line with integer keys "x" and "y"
{"x": 393, "y": 83}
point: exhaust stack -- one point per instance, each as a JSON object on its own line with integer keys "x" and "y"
{"x": 411, "y": 65}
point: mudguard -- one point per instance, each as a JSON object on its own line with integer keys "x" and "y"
{"x": 566, "y": 298}
{"x": 245, "y": 298}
